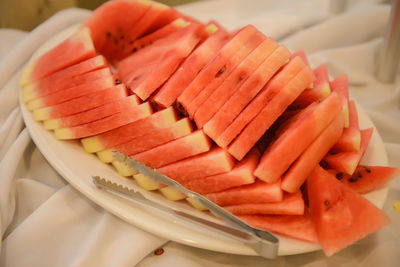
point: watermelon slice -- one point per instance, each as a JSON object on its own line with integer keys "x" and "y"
{"x": 239, "y": 100}
{"x": 366, "y": 179}
{"x": 71, "y": 93}
{"x": 157, "y": 137}
{"x": 178, "y": 149}
{"x": 296, "y": 137}
{"x": 118, "y": 105}
{"x": 163, "y": 58}
{"x": 295, "y": 226}
{"x": 241, "y": 174}
{"x": 213, "y": 162}
{"x": 216, "y": 93}
{"x": 218, "y": 65}
{"x": 341, "y": 216}
{"x": 257, "y": 192}
{"x": 81, "y": 104}
{"x": 347, "y": 161}
{"x": 73, "y": 50}
{"x": 279, "y": 81}
{"x": 264, "y": 119}
{"x": 66, "y": 78}
{"x": 291, "y": 204}
{"x": 170, "y": 91}
{"x": 340, "y": 86}
{"x": 160, "y": 119}
{"x": 302, "y": 55}
{"x": 306, "y": 162}
{"x": 130, "y": 114}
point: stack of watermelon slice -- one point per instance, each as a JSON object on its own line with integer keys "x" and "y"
{"x": 234, "y": 116}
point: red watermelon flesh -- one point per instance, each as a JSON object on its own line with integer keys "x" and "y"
{"x": 295, "y": 226}
{"x": 353, "y": 115}
{"x": 366, "y": 179}
{"x": 291, "y": 204}
{"x": 320, "y": 89}
{"x": 158, "y": 120}
{"x": 257, "y": 192}
{"x": 279, "y": 81}
{"x": 224, "y": 85}
{"x": 300, "y": 53}
{"x": 218, "y": 65}
{"x": 341, "y": 216}
{"x": 264, "y": 119}
{"x": 170, "y": 91}
{"x": 175, "y": 150}
{"x": 144, "y": 80}
{"x": 71, "y": 93}
{"x": 157, "y": 137}
{"x": 304, "y": 165}
{"x": 130, "y": 114}
{"x": 117, "y": 105}
{"x": 347, "y": 161}
{"x": 340, "y": 86}
{"x": 62, "y": 78}
{"x": 213, "y": 162}
{"x": 242, "y": 97}
{"x": 81, "y": 104}
{"x": 295, "y": 139}
{"x": 241, "y": 174}
{"x": 72, "y": 50}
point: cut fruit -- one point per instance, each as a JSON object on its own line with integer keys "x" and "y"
{"x": 240, "y": 99}
{"x": 80, "y": 104}
{"x": 296, "y": 137}
{"x": 170, "y": 91}
{"x": 87, "y": 70}
{"x": 217, "y": 66}
{"x": 158, "y": 137}
{"x": 296, "y": 226}
{"x": 71, "y": 93}
{"x": 158, "y": 120}
{"x": 292, "y": 204}
{"x": 279, "y": 81}
{"x": 131, "y": 114}
{"x": 306, "y": 162}
{"x": 257, "y": 192}
{"x": 213, "y": 162}
{"x": 196, "y": 204}
{"x": 214, "y": 95}
{"x": 241, "y": 174}
{"x": 366, "y": 179}
{"x": 301, "y": 54}
{"x": 340, "y": 215}
{"x": 73, "y": 50}
{"x": 347, "y": 161}
{"x": 119, "y": 105}
{"x": 340, "y": 86}
{"x": 274, "y": 108}
{"x": 146, "y": 183}
{"x": 123, "y": 169}
{"x": 171, "y": 193}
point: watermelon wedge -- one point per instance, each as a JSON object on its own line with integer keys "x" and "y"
{"x": 160, "y": 119}
{"x": 213, "y": 162}
{"x": 302, "y": 55}
{"x": 366, "y": 179}
{"x": 178, "y": 149}
{"x": 347, "y": 161}
{"x": 291, "y": 204}
{"x": 341, "y": 216}
{"x": 73, "y": 50}
{"x": 241, "y": 174}
{"x": 81, "y": 104}
{"x": 340, "y": 86}
{"x": 257, "y": 192}
{"x": 131, "y": 114}
{"x": 264, "y": 119}
{"x": 296, "y": 226}
{"x": 157, "y": 137}
{"x": 118, "y": 105}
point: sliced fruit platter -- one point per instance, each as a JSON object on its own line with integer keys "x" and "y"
{"x": 234, "y": 116}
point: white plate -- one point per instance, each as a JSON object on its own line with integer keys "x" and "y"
{"x": 77, "y": 167}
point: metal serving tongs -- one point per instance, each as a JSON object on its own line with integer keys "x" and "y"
{"x": 264, "y": 243}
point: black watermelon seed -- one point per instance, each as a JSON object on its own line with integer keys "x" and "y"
{"x": 339, "y": 175}
{"x": 353, "y": 179}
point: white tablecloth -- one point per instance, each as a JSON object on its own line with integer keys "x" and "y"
{"x": 46, "y": 222}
